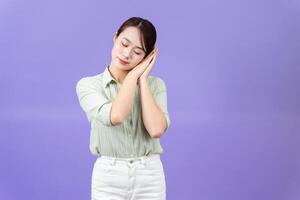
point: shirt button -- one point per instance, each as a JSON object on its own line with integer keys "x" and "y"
{"x": 131, "y": 161}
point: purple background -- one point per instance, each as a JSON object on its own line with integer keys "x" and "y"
{"x": 232, "y": 70}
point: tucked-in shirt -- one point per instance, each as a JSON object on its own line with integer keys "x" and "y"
{"x": 129, "y": 139}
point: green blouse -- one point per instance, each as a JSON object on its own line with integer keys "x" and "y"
{"x": 129, "y": 139}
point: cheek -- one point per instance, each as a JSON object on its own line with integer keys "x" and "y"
{"x": 137, "y": 60}
{"x": 140, "y": 59}
{"x": 115, "y": 50}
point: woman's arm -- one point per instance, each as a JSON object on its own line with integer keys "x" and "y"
{"x": 122, "y": 104}
{"x": 153, "y": 118}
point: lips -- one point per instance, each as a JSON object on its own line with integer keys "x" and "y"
{"x": 123, "y": 62}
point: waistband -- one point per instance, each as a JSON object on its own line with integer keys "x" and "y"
{"x": 141, "y": 159}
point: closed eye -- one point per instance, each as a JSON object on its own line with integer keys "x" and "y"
{"x": 124, "y": 44}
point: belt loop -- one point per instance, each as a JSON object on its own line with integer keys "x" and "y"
{"x": 113, "y": 161}
{"x": 143, "y": 161}
{"x": 128, "y": 165}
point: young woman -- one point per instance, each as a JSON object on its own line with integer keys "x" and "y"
{"x": 127, "y": 109}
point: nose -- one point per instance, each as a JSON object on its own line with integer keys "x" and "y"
{"x": 126, "y": 53}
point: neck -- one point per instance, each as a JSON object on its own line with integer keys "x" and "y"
{"x": 118, "y": 74}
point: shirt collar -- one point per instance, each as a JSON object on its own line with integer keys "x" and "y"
{"x": 107, "y": 78}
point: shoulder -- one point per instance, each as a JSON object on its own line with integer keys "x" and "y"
{"x": 92, "y": 81}
{"x": 157, "y": 83}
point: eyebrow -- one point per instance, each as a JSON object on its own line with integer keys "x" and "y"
{"x": 131, "y": 42}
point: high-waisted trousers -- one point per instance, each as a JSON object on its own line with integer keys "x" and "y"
{"x": 140, "y": 178}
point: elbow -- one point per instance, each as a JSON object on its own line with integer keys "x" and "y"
{"x": 156, "y": 134}
{"x": 116, "y": 120}
{"x": 115, "y": 117}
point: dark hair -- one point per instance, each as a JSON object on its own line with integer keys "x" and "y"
{"x": 147, "y": 32}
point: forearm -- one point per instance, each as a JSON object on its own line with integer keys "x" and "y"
{"x": 153, "y": 118}
{"x": 123, "y": 103}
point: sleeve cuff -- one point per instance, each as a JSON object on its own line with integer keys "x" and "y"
{"x": 167, "y": 120}
{"x": 104, "y": 115}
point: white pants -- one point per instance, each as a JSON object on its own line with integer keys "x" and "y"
{"x": 139, "y": 178}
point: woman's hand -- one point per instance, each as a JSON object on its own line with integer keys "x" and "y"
{"x": 144, "y": 64}
{"x": 150, "y": 66}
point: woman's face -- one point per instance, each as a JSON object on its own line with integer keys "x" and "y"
{"x": 127, "y": 51}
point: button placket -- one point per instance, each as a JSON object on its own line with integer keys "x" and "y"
{"x": 129, "y": 128}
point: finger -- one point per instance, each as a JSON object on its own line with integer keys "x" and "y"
{"x": 149, "y": 57}
{"x": 151, "y": 53}
{"x": 154, "y": 54}
{"x": 154, "y": 58}
{"x": 148, "y": 60}
{"x": 151, "y": 63}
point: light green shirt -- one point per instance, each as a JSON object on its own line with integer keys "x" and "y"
{"x": 129, "y": 139}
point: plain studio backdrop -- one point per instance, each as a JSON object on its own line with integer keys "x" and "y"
{"x": 232, "y": 70}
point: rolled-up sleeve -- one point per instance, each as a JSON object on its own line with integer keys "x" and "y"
{"x": 160, "y": 96}
{"x": 94, "y": 103}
